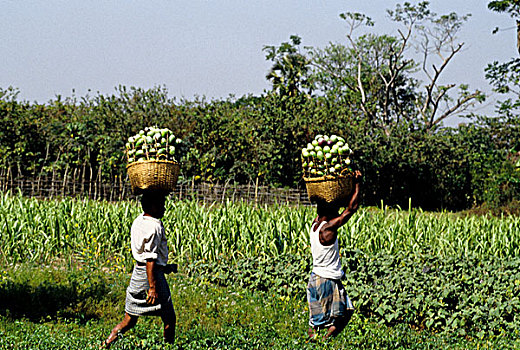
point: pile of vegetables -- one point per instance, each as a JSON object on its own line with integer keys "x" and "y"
{"x": 154, "y": 143}
{"x": 326, "y": 156}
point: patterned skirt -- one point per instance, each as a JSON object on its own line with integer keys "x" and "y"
{"x": 328, "y": 302}
{"x": 137, "y": 291}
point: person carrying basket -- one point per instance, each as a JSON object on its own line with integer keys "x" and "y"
{"x": 148, "y": 292}
{"x": 329, "y": 306}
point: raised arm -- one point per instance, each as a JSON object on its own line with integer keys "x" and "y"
{"x": 329, "y": 231}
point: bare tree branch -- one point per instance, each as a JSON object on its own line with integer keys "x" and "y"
{"x": 431, "y": 86}
{"x": 360, "y": 84}
{"x": 359, "y": 81}
{"x": 437, "y": 101}
{"x": 460, "y": 102}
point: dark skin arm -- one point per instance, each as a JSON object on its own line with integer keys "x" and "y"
{"x": 329, "y": 231}
{"x": 152, "y": 294}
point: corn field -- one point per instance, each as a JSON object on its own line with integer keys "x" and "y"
{"x": 96, "y": 232}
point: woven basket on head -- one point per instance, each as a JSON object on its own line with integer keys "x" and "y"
{"x": 329, "y": 188}
{"x": 153, "y": 175}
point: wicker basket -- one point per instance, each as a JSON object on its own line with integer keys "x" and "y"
{"x": 329, "y": 188}
{"x": 153, "y": 175}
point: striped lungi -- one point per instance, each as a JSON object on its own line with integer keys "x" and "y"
{"x": 137, "y": 291}
{"x": 327, "y": 301}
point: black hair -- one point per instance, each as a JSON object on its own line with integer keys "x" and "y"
{"x": 327, "y": 207}
{"x": 151, "y": 198}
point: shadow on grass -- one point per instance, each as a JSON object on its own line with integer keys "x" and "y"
{"x": 38, "y": 297}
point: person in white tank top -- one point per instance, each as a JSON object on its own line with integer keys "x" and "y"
{"x": 329, "y": 306}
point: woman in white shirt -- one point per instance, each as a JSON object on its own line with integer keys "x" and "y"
{"x": 148, "y": 292}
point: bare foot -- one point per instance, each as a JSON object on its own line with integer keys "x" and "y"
{"x": 331, "y": 332}
{"x": 106, "y": 343}
{"x": 313, "y": 335}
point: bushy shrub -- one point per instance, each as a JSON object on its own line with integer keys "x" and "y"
{"x": 458, "y": 294}
{"x": 258, "y": 138}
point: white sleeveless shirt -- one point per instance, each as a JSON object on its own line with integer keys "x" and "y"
{"x": 325, "y": 259}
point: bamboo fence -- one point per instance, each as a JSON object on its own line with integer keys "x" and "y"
{"x": 73, "y": 185}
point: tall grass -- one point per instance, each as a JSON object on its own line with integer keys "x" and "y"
{"x": 91, "y": 231}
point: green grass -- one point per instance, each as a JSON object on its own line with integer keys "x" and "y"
{"x": 208, "y": 317}
{"x": 65, "y": 266}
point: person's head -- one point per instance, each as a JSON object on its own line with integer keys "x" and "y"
{"x": 327, "y": 209}
{"x": 153, "y": 203}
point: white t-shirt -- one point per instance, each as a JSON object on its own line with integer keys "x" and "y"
{"x": 325, "y": 259}
{"x": 149, "y": 240}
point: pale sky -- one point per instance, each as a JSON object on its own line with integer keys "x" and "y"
{"x": 199, "y": 48}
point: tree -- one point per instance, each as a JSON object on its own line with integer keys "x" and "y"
{"x": 289, "y": 71}
{"x": 513, "y": 8}
{"x": 375, "y": 74}
{"x": 505, "y": 79}
{"x": 505, "y": 127}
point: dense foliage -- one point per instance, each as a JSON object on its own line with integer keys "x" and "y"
{"x": 365, "y": 90}
{"x": 261, "y": 137}
{"x": 455, "y": 294}
{"x": 439, "y": 272}
{"x": 209, "y": 316}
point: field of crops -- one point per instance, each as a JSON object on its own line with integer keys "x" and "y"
{"x": 39, "y": 231}
{"x": 433, "y": 278}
